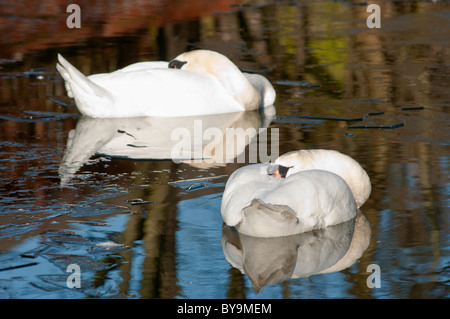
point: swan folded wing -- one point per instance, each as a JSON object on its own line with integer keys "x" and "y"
{"x": 166, "y": 92}
{"x": 244, "y": 185}
{"x": 259, "y": 205}
{"x": 140, "y": 66}
{"x": 319, "y": 198}
{"x": 276, "y": 213}
{"x": 267, "y": 220}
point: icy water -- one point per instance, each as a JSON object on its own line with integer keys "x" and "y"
{"x": 140, "y": 225}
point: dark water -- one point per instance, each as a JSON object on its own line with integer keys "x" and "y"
{"x": 141, "y": 228}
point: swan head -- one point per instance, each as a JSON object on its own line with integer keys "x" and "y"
{"x": 297, "y": 161}
{"x": 176, "y": 64}
{"x": 278, "y": 171}
{"x": 288, "y": 164}
{"x": 211, "y": 63}
{"x": 329, "y": 160}
{"x": 203, "y": 62}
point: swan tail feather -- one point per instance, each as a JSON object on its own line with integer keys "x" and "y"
{"x": 81, "y": 88}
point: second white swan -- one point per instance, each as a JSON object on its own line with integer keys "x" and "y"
{"x": 300, "y": 192}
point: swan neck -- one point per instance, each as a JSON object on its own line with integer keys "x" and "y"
{"x": 250, "y": 98}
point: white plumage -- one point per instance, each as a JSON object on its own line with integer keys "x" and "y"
{"x": 318, "y": 191}
{"x": 205, "y": 83}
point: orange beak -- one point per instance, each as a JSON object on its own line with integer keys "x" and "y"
{"x": 175, "y": 64}
{"x": 278, "y": 171}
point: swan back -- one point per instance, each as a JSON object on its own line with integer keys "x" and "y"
{"x": 332, "y": 161}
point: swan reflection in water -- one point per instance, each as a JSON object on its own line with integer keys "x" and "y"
{"x": 267, "y": 261}
{"x": 198, "y": 140}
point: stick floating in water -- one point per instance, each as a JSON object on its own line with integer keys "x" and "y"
{"x": 138, "y": 201}
{"x": 377, "y": 126}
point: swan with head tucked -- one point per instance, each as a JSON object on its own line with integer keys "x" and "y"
{"x": 300, "y": 192}
{"x": 199, "y": 82}
{"x": 333, "y": 161}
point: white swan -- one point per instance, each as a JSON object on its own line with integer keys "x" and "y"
{"x": 270, "y": 200}
{"x": 199, "y": 82}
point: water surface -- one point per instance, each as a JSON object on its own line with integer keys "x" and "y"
{"x": 141, "y": 228}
